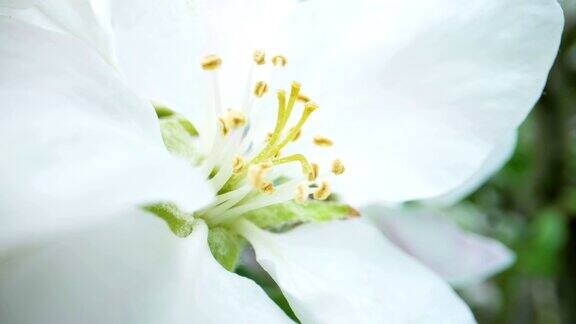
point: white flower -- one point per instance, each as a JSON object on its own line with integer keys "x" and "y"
{"x": 415, "y": 94}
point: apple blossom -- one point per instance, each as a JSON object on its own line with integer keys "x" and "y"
{"x": 413, "y": 94}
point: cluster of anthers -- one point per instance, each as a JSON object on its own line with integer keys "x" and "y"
{"x": 243, "y": 171}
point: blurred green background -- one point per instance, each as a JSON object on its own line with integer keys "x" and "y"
{"x": 530, "y": 206}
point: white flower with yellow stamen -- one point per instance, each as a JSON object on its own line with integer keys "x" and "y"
{"x": 413, "y": 94}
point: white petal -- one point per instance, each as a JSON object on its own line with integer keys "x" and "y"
{"x": 128, "y": 271}
{"x": 17, "y": 4}
{"x": 460, "y": 257}
{"x": 77, "y": 146}
{"x": 417, "y": 93}
{"x": 220, "y": 296}
{"x": 131, "y": 271}
{"x": 347, "y": 272}
{"x": 496, "y": 160}
{"x": 85, "y": 19}
{"x": 161, "y": 45}
{"x": 157, "y": 49}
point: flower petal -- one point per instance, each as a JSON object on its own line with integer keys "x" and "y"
{"x": 176, "y": 35}
{"x": 347, "y": 272}
{"x": 496, "y": 160}
{"x": 17, "y": 4}
{"x": 77, "y": 146}
{"x": 133, "y": 270}
{"x": 85, "y": 19}
{"x": 461, "y": 258}
{"x": 220, "y": 296}
{"x": 157, "y": 47}
{"x": 417, "y": 93}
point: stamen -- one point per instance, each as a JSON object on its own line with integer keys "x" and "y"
{"x": 260, "y": 89}
{"x": 233, "y": 199}
{"x": 301, "y": 193}
{"x": 257, "y": 174}
{"x": 314, "y": 169}
{"x": 236, "y": 119}
{"x": 353, "y": 213}
{"x": 238, "y": 164}
{"x": 302, "y": 98}
{"x": 267, "y": 187}
{"x": 224, "y": 129}
{"x": 279, "y": 60}
{"x": 322, "y": 141}
{"x": 269, "y": 136}
{"x": 211, "y": 62}
{"x": 295, "y": 158}
{"x": 284, "y": 192}
{"x": 338, "y": 167}
{"x": 323, "y": 191}
{"x": 259, "y": 57}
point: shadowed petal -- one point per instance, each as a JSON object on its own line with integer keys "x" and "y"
{"x": 348, "y": 272}
{"x": 131, "y": 270}
{"x": 461, "y": 258}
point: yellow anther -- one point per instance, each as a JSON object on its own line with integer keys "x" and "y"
{"x": 323, "y": 191}
{"x": 236, "y": 119}
{"x": 297, "y": 134}
{"x": 224, "y": 128}
{"x": 260, "y": 89}
{"x": 269, "y": 136}
{"x": 279, "y": 60}
{"x": 257, "y": 174}
{"x": 338, "y": 167}
{"x": 238, "y": 164}
{"x": 267, "y": 187}
{"x": 301, "y": 193}
{"x": 266, "y": 165}
{"x": 322, "y": 141}
{"x": 353, "y": 213}
{"x": 211, "y": 62}
{"x": 313, "y": 173}
{"x": 259, "y": 57}
{"x": 303, "y": 98}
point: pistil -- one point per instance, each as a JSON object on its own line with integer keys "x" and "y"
{"x": 294, "y": 158}
{"x": 309, "y": 108}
